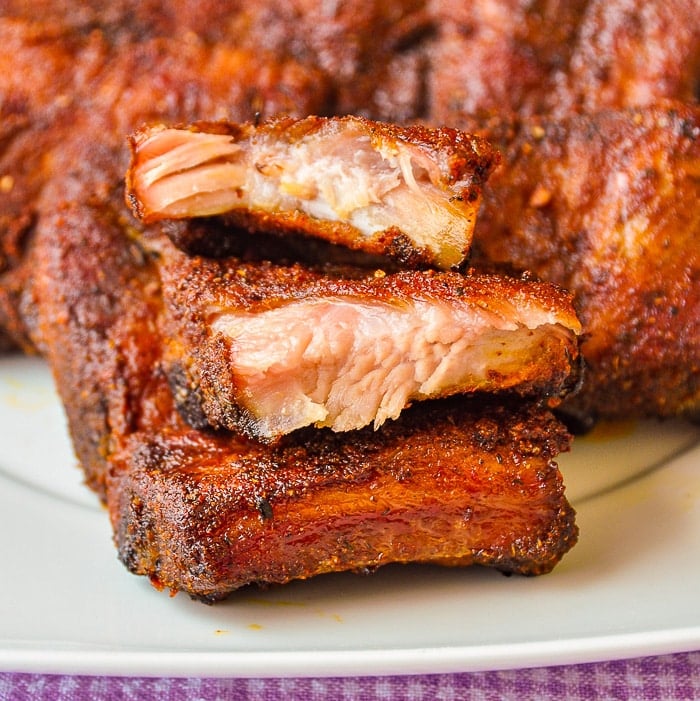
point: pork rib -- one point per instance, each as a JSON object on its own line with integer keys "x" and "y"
{"x": 266, "y": 349}
{"x": 606, "y": 205}
{"x": 409, "y": 192}
{"x": 452, "y": 481}
{"x": 456, "y": 484}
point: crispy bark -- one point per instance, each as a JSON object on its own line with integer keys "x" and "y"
{"x": 457, "y": 484}
{"x": 606, "y": 206}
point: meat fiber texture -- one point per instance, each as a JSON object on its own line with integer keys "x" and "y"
{"x": 266, "y": 348}
{"x": 410, "y": 193}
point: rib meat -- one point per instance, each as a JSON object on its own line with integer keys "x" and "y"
{"x": 453, "y": 484}
{"x": 560, "y": 56}
{"x": 408, "y": 192}
{"x": 456, "y": 482}
{"x": 266, "y": 349}
{"x": 606, "y": 205}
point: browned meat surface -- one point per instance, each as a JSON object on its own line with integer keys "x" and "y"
{"x": 76, "y": 80}
{"x": 97, "y": 300}
{"x": 499, "y": 55}
{"x": 559, "y": 56}
{"x": 457, "y": 483}
{"x": 78, "y": 77}
{"x": 629, "y": 54}
{"x": 412, "y": 192}
{"x": 373, "y": 52}
{"x": 607, "y": 206}
{"x": 35, "y": 77}
{"x": 266, "y": 349}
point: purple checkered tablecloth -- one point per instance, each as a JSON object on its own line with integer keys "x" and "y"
{"x": 667, "y": 677}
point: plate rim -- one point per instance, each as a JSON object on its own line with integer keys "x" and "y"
{"x": 345, "y": 663}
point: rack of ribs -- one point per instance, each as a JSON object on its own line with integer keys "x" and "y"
{"x": 458, "y": 480}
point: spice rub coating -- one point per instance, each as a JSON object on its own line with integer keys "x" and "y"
{"x": 606, "y": 205}
{"x": 456, "y": 484}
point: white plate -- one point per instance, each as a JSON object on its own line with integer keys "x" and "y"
{"x": 630, "y": 586}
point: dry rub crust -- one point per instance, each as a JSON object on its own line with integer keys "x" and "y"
{"x": 606, "y": 205}
{"x": 97, "y": 300}
{"x": 207, "y": 512}
{"x": 460, "y": 484}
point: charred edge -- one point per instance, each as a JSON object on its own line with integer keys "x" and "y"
{"x": 402, "y": 249}
{"x": 264, "y": 508}
{"x": 134, "y": 539}
{"x": 539, "y": 555}
{"x": 187, "y": 397}
{"x": 569, "y": 385}
{"x": 577, "y": 421}
{"x": 577, "y": 376}
{"x": 214, "y": 417}
{"x": 219, "y": 237}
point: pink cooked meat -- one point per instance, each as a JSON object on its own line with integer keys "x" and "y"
{"x": 267, "y": 349}
{"x": 408, "y": 192}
